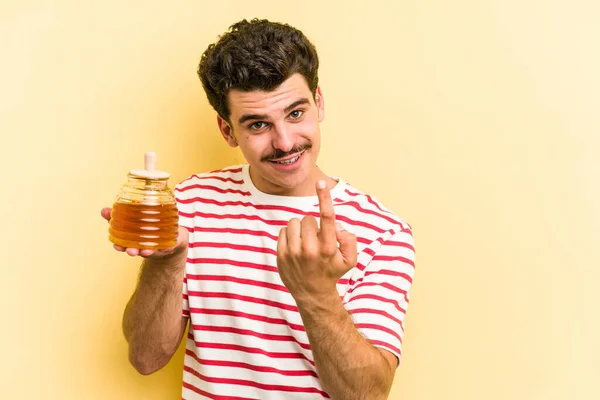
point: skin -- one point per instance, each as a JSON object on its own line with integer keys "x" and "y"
{"x": 311, "y": 259}
{"x": 152, "y": 322}
{"x": 280, "y": 130}
{"x": 269, "y": 127}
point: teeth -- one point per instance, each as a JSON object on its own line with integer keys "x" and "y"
{"x": 293, "y": 160}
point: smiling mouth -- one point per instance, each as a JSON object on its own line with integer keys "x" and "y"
{"x": 290, "y": 160}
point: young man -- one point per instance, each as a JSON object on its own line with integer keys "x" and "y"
{"x": 295, "y": 284}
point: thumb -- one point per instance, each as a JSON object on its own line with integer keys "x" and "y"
{"x": 105, "y": 212}
{"x": 347, "y": 246}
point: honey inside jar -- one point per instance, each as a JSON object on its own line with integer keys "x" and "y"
{"x": 144, "y": 226}
{"x": 145, "y": 215}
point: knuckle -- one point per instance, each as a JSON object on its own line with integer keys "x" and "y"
{"x": 327, "y": 214}
{"x": 295, "y": 253}
{"x": 328, "y": 249}
{"x": 308, "y": 219}
{"x": 293, "y": 221}
{"x": 309, "y": 251}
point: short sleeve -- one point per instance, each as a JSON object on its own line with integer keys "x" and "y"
{"x": 378, "y": 294}
{"x": 186, "y": 220}
{"x": 185, "y": 307}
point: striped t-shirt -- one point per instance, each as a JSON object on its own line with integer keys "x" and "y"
{"x": 246, "y": 339}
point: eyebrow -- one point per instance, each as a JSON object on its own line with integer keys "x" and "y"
{"x": 289, "y": 108}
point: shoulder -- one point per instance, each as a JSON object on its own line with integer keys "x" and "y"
{"x": 370, "y": 210}
{"x": 231, "y": 174}
{"x": 225, "y": 180}
{"x": 216, "y": 186}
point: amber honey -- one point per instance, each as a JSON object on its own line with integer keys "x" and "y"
{"x": 143, "y": 226}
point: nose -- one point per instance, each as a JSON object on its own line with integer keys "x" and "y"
{"x": 283, "y": 137}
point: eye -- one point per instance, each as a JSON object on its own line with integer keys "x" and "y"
{"x": 256, "y": 126}
{"x": 296, "y": 114}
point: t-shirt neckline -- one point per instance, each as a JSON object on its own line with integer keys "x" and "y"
{"x": 266, "y": 198}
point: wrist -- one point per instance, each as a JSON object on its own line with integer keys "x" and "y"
{"x": 171, "y": 264}
{"x": 319, "y": 304}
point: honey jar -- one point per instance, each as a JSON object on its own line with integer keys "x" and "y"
{"x": 144, "y": 215}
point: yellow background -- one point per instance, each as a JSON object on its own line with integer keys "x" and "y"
{"x": 475, "y": 120}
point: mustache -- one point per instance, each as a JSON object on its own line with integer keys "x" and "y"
{"x": 278, "y": 153}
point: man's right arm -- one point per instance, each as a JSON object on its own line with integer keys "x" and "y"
{"x": 152, "y": 322}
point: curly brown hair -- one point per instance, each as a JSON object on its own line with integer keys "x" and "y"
{"x": 256, "y": 55}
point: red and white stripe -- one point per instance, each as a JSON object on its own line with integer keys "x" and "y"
{"x": 246, "y": 337}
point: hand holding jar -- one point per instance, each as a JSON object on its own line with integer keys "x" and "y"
{"x": 144, "y": 218}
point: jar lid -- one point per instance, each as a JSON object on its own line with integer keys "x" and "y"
{"x": 149, "y": 172}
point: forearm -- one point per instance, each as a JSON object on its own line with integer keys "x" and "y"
{"x": 152, "y": 321}
{"x": 347, "y": 364}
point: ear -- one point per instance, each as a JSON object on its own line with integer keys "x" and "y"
{"x": 320, "y": 103}
{"x": 226, "y": 131}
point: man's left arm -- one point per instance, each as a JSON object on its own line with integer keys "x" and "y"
{"x": 348, "y": 365}
{"x": 311, "y": 260}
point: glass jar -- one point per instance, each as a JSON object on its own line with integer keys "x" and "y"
{"x": 144, "y": 215}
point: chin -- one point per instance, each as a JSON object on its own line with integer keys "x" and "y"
{"x": 287, "y": 183}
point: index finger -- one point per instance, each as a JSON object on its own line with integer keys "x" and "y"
{"x": 105, "y": 212}
{"x": 327, "y": 228}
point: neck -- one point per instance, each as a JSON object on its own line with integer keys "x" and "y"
{"x": 306, "y": 188}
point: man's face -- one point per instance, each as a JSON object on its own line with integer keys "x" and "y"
{"x": 278, "y": 133}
